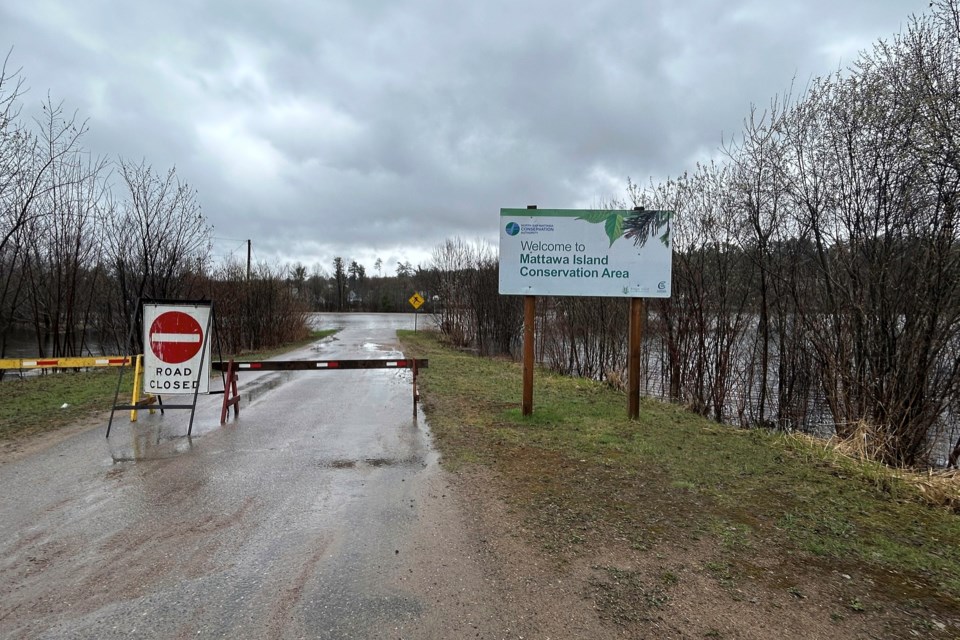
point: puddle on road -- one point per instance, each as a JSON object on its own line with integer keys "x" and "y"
{"x": 342, "y": 463}
{"x": 150, "y": 442}
{"x": 385, "y": 352}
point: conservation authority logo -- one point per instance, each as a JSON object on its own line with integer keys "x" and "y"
{"x": 513, "y": 228}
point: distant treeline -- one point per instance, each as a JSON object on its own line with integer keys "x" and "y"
{"x": 350, "y": 287}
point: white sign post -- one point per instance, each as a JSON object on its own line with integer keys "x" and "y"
{"x": 176, "y": 349}
{"x": 575, "y": 252}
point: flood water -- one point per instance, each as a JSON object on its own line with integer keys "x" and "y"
{"x": 741, "y": 397}
{"x": 22, "y": 343}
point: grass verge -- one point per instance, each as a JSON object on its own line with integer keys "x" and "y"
{"x": 36, "y": 404}
{"x": 584, "y": 477}
{"x": 49, "y": 401}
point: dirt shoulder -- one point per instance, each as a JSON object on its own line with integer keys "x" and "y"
{"x": 674, "y": 527}
{"x": 688, "y": 587}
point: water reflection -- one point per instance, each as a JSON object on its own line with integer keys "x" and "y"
{"x": 149, "y": 441}
{"x": 23, "y": 343}
{"x": 394, "y": 321}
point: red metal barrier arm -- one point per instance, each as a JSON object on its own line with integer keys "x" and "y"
{"x": 232, "y": 399}
{"x": 320, "y": 365}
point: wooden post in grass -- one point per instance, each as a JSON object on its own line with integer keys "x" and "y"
{"x": 633, "y": 365}
{"x": 529, "y": 323}
{"x": 529, "y": 320}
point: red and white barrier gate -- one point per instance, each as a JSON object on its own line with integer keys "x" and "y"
{"x": 231, "y": 398}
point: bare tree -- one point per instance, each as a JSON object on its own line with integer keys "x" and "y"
{"x": 26, "y": 162}
{"x": 451, "y": 264}
{"x": 703, "y": 325}
{"x": 470, "y": 311}
{"x": 496, "y": 318}
{"x": 157, "y": 241}
{"x": 62, "y": 255}
{"x": 758, "y": 183}
{"x": 274, "y": 316}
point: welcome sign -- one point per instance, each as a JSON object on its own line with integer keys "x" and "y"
{"x": 585, "y": 252}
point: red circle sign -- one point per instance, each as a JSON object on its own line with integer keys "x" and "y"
{"x": 175, "y": 337}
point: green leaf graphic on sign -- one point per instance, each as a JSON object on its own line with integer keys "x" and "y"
{"x": 644, "y": 225}
{"x": 614, "y": 226}
{"x": 638, "y": 226}
{"x": 595, "y": 217}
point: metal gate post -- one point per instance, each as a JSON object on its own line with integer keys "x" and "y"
{"x": 416, "y": 395}
{"x": 231, "y": 398}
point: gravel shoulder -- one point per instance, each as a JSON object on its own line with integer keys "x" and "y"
{"x": 469, "y": 563}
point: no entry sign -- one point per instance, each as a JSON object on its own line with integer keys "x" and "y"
{"x": 175, "y": 337}
{"x": 176, "y": 347}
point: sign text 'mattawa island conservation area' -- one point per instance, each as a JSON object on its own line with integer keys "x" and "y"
{"x": 540, "y": 253}
{"x": 573, "y": 252}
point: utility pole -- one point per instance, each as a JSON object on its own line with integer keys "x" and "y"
{"x": 246, "y": 316}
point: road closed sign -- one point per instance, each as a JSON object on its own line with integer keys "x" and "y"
{"x": 176, "y": 348}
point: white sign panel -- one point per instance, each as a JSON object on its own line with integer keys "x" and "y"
{"x": 573, "y": 252}
{"x": 174, "y": 343}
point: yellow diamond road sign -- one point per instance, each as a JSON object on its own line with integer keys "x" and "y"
{"x": 416, "y": 300}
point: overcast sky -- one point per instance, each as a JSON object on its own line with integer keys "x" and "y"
{"x": 371, "y": 129}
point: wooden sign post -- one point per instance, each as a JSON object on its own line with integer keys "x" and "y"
{"x": 633, "y": 363}
{"x": 529, "y": 335}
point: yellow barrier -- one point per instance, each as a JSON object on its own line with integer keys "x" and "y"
{"x": 65, "y": 363}
{"x": 135, "y": 398}
{"x": 87, "y": 362}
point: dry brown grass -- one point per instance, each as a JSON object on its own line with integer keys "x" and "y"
{"x": 939, "y": 488}
{"x": 864, "y": 443}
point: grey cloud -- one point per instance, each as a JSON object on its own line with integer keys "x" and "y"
{"x": 361, "y": 128}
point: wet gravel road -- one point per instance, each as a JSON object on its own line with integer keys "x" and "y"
{"x": 319, "y": 513}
